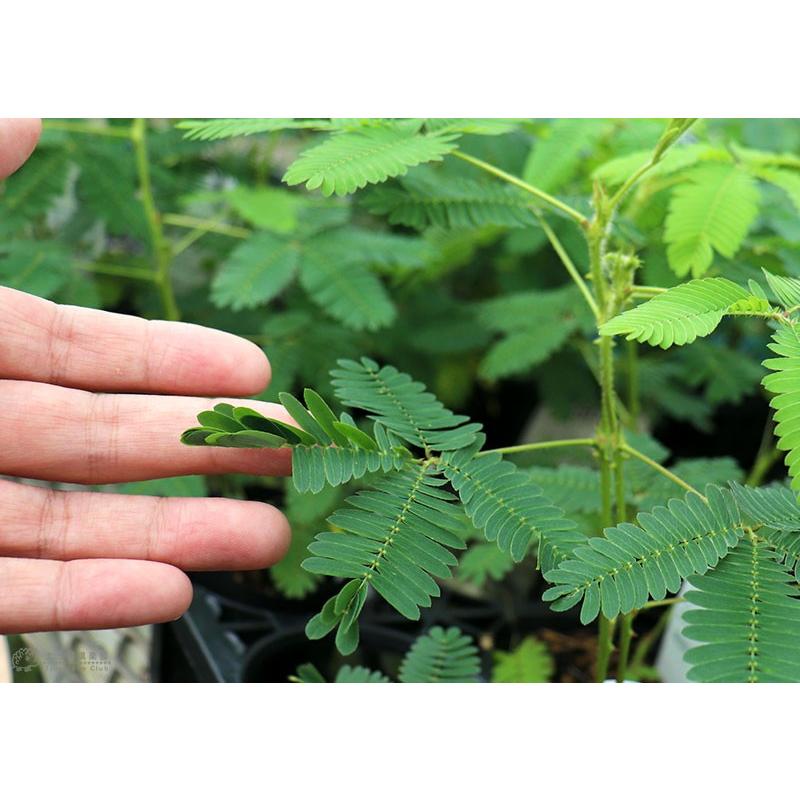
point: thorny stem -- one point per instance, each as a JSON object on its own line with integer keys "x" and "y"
{"x": 161, "y": 250}
{"x": 524, "y": 185}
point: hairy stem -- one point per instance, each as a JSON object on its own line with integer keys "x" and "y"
{"x": 161, "y": 250}
{"x": 632, "y": 451}
{"x": 521, "y": 184}
{"x": 569, "y": 265}
{"x": 524, "y": 448}
{"x": 119, "y": 271}
{"x": 206, "y": 225}
{"x": 625, "y": 636}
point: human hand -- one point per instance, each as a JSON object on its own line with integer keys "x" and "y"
{"x": 71, "y": 560}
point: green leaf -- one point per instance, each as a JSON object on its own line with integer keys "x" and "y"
{"x": 393, "y": 538}
{"x": 349, "y": 161}
{"x": 256, "y": 271}
{"x": 685, "y": 312}
{"x": 482, "y": 562}
{"x": 441, "y": 656}
{"x": 747, "y": 623}
{"x": 401, "y": 405}
{"x": 787, "y": 290}
{"x": 711, "y": 211}
{"x": 529, "y": 662}
{"x": 37, "y": 268}
{"x": 620, "y": 570}
{"x": 617, "y": 170}
{"x": 502, "y": 500}
{"x": 784, "y": 383}
{"x": 349, "y": 293}
{"x": 555, "y": 160}
{"x": 266, "y": 207}
{"x": 425, "y": 197}
{"x": 209, "y": 130}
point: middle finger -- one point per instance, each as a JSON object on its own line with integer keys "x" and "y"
{"x": 59, "y": 434}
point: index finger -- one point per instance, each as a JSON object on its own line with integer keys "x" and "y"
{"x": 18, "y": 137}
{"x": 84, "y": 348}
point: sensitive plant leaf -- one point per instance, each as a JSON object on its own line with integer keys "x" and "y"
{"x": 554, "y": 160}
{"x": 266, "y": 207}
{"x": 787, "y": 290}
{"x": 784, "y": 383}
{"x": 32, "y": 190}
{"x": 502, "y": 500}
{"x": 617, "y": 170}
{"x": 395, "y": 538}
{"x": 37, "y": 268}
{"x": 348, "y": 292}
{"x": 684, "y": 312}
{"x": 441, "y": 656}
{"x": 482, "y": 562}
{"x": 629, "y": 564}
{"x": 711, "y": 211}
{"x": 209, "y": 130}
{"x": 748, "y": 620}
{"x": 401, "y": 405}
{"x": 256, "y": 271}
{"x": 425, "y": 197}
{"x": 529, "y": 662}
{"x": 349, "y": 161}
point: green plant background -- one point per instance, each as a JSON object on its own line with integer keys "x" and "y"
{"x": 443, "y": 271}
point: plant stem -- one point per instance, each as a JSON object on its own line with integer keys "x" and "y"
{"x": 194, "y": 235}
{"x": 524, "y": 448}
{"x": 646, "y": 291}
{"x": 648, "y": 640}
{"x": 669, "y": 601}
{"x": 205, "y": 225}
{"x": 625, "y": 636}
{"x": 86, "y": 128}
{"x": 161, "y": 251}
{"x": 663, "y": 470}
{"x": 521, "y": 184}
{"x": 120, "y": 271}
{"x": 633, "y": 383}
{"x": 569, "y": 265}
{"x": 767, "y": 455}
{"x": 605, "y": 635}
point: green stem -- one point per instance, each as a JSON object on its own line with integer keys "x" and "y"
{"x": 205, "y": 225}
{"x": 633, "y": 383}
{"x": 120, "y": 271}
{"x": 767, "y": 455}
{"x": 569, "y": 265}
{"x": 161, "y": 251}
{"x": 194, "y": 235}
{"x": 625, "y": 636}
{"x": 647, "y": 641}
{"x": 605, "y": 637}
{"x": 632, "y": 451}
{"x": 524, "y": 448}
{"x": 669, "y": 601}
{"x": 646, "y": 291}
{"x": 521, "y": 184}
